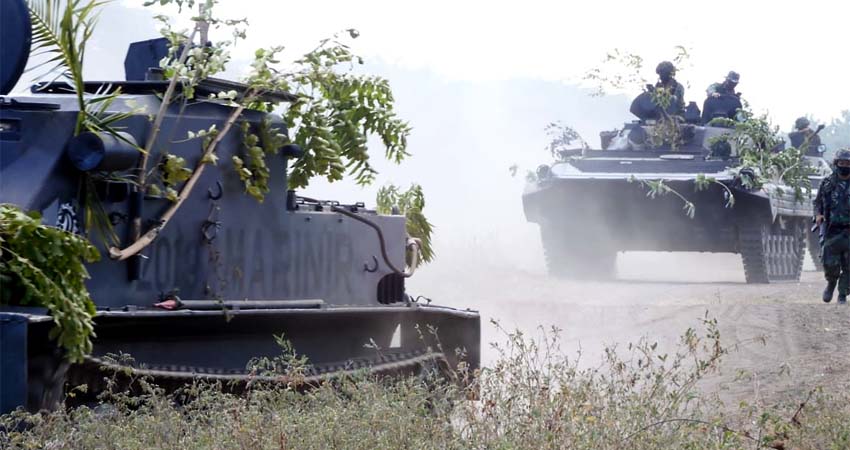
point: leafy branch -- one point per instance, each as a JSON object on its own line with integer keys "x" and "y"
{"x": 42, "y": 265}
{"x": 335, "y": 113}
{"x": 623, "y": 70}
{"x": 757, "y": 142}
{"x": 561, "y": 138}
{"x": 252, "y": 170}
{"x": 411, "y": 203}
{"x": 177, "y": 201}
{"x": 658, "y": 188}
{"x": 331, "y": 118}
{"x": 619, "y": 70}
{"x": 702, "y": 182}
{"x": 61, "y": 31}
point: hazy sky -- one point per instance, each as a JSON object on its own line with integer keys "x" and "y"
{"x": 792, "y": 56}
{"x": 479, "y": 80}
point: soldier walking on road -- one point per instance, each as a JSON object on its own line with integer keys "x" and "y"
{"x": 832, "y": 209}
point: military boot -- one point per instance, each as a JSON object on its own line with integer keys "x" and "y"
{"x": 842, "y": 298}
{"x": 830, "y": 288}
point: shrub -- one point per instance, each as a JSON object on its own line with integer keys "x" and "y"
{"x": 533, "y": 397}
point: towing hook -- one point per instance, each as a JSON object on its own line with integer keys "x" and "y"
{"x": 210, "y": 230}
{"x": 374, "y": 267}
{"x": 220, "y": 191}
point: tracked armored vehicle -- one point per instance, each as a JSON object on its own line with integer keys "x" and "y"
{"x": 226, "y": 275}
{"x": 592, "y": 204}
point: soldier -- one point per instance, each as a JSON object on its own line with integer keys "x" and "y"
{"x": 832, "y": 208}
{"x": 666, "y": 79}
{"x": 727, "y": 87}
{"x": 804, "y": 138}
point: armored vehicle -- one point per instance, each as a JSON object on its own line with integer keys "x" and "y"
{"x": 592, "y": 204}
{"x": 226, "y": 276}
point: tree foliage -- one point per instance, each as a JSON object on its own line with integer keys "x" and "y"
{"x": 411, "y": 204}
{"x": 43, "y": 266}
{"x": 61, "y": 31}
{"x": 623, "y": 70}
{"x": 252, "y": 168}
{"x": 561, "y": 138}
{"x": 757, "y": 142}
{"x": 337, "y": 110}
{"x": 333, "y": 114}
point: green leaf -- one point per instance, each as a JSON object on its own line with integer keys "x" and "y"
{"x": 210, "y": 158}
{"x": 56, "y": 282}
{"x": 411, "y": 204}
{"x": 62, "y": 29}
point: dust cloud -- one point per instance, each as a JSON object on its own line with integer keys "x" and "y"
{"x": 466, "y": 137}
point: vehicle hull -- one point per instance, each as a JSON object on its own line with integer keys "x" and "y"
{"x": 585, "y": 221}
{"x": 178, "y": 347}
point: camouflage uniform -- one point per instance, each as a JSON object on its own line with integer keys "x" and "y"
{"x": 727, "y": 87}
{"x": 833, "y": 202}
{"x": 719, "y": 89}
{"x": 804, "y": 138}
{"x": 666, "y": 72}
{"x": 677, "y": 106}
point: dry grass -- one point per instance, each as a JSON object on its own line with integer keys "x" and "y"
{"x": 533, "y": 397}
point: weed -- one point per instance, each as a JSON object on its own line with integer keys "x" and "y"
{"x": 532, "y": 397}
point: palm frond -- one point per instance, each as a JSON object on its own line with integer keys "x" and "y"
{"x": 48, "y": 18}
{"x": 61, "y": 30}
{"x": 96, "y": 217}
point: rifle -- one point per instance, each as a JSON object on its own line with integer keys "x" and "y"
{"x": 804, "y": 147}
{"x": 820, "y": 228}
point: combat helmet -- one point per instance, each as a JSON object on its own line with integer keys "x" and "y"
{"x": 841, "y": 155}
{"x": 733, "y": 77}
{"x": 801, "y": 123}
{"x": 665, "y": 68}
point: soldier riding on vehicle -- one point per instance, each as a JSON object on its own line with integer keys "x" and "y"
{"x": 666, "y": 79}
{"x": 804, "y": 138}
{"x": 727, "y": 87}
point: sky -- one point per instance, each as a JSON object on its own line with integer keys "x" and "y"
{"x": 792, "y": 56}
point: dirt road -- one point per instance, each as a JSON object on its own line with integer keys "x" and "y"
{"x": 782, "y": 335}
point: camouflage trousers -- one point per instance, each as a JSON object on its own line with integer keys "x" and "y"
{"x": 836, "y": 258}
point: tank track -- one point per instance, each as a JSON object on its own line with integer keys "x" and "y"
{"x": 94, "y": 372}
{"x": 770, "y": 256}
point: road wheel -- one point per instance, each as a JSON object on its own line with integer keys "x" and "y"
{"x": 772, "y": 252}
